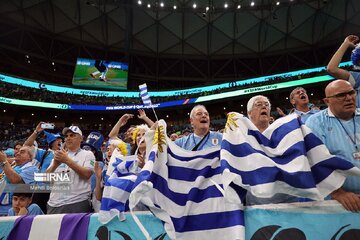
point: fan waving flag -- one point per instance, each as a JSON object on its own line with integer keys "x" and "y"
{"x": 144, "y": 94}
{"x": 286, "y": 158}
{"x": 118, "y": 186}
{"x": 179, "y": 187}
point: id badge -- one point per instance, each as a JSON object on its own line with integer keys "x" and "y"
{"x": 356, "y": 155}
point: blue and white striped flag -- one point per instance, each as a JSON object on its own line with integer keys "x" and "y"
{"x": 179, "y": 187}
{"x": 118, "y": 186}
{"x": 145, "y": 95}
{"x": 286, "y": 158}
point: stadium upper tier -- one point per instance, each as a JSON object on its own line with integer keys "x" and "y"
{"x": 30, "y": 93}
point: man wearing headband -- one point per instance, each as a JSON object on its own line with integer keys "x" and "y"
{"x": 353, "y": 77}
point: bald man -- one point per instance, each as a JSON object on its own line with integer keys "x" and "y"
{"x": 338, "y": 127}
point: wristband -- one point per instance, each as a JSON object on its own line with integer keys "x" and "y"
{"x": 36, "y": 132}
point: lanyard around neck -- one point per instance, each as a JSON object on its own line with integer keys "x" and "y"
{"x": 347, "y": 133}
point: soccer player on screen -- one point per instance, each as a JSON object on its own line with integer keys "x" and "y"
{"x": 102, "y": 69}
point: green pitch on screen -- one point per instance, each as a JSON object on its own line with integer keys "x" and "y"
{"x": 116, "y": 78}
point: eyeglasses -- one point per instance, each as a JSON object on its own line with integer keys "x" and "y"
{"x": 342, "y": 96}
{"x": 199, "y": 114}
{"x": 260, "y": 104}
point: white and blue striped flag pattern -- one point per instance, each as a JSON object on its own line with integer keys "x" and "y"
{"x": 286, "y": 158}
{"x": 145, "y": 95}
{"x": 118, "y": 186}
{"x": 179, "y": 187}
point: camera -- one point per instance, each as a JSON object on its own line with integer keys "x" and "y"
{"x": 47, "y": 126}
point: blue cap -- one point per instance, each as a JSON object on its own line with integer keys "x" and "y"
{"x": 94, "y": 140}
{"x": 355, "y": 56}
{"x": 50, "y": 137}
{"x": 9, "y": 152}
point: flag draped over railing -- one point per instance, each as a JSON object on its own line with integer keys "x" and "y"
{"x": 118, "y": 186}
{"x": 199, "y": 194}
{"x": 179, "y": 187}
{"x": 286, "y": 158}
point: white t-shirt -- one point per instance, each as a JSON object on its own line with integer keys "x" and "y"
{"x": 80, "y": 189}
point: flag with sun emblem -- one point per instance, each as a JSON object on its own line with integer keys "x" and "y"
{"x": 115, "y": 198}
{"x": 287, "y": 158}
{"x": 181, "y": 188}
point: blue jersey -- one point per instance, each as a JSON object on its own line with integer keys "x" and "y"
{"x": 190, "y": 141}
{"x": 339, "y": 137}
{"x": 33, "y": 209}
{"x": 305, "y": 116}
{"x": 40, "y": 154}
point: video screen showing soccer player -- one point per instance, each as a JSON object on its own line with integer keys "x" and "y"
{"x": 103, "y": 74}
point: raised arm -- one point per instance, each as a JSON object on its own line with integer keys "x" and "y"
{"x": 31, "y": 139}
{"x": 333, "y": 66}
{"x": 146, "y": 119}
{"x": 10, "y": 173}
{"x": 122, "y": 121}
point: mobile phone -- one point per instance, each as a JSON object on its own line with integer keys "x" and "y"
{"x": 47, "y": 126}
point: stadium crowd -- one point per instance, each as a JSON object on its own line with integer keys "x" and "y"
{"x": 84, "y": 154}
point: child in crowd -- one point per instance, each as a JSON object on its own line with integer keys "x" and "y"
{"x": 21, "y": 205}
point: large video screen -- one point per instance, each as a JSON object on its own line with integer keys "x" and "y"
{"x": 102, "y": 74}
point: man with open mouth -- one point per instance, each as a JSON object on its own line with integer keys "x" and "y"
{"x": 258, "y": 111}
{"x": 300, "y": 101}
{"x": 202, "y": 137}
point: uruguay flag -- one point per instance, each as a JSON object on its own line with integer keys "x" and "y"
{"x": 179, "y": 187}
{"x": 145, "y": 95}
{"x": 118, "y": 186}
{"x": 286, "y": 158}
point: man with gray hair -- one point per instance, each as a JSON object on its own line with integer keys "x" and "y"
{"x": 24, "y": 170}
{"x": 202, "y": 137}
{"x": 300, "y": 101}
{"x": 258, "y": 110}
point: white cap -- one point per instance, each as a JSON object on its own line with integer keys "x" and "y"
{"x": 74, "y": 129}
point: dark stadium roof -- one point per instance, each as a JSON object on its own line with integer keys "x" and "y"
{"x": 170, "y": 48}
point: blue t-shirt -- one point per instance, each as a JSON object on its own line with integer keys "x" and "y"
{"x": 190, "y": 141}
{"x": 305, "y": 116}
{"x": 26, "y": 171}
{"x": 47, "y": 160}
{"x": 354, "y": 79}
{"x": 332, "y": 133}
{"x": 33, "y": 209}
